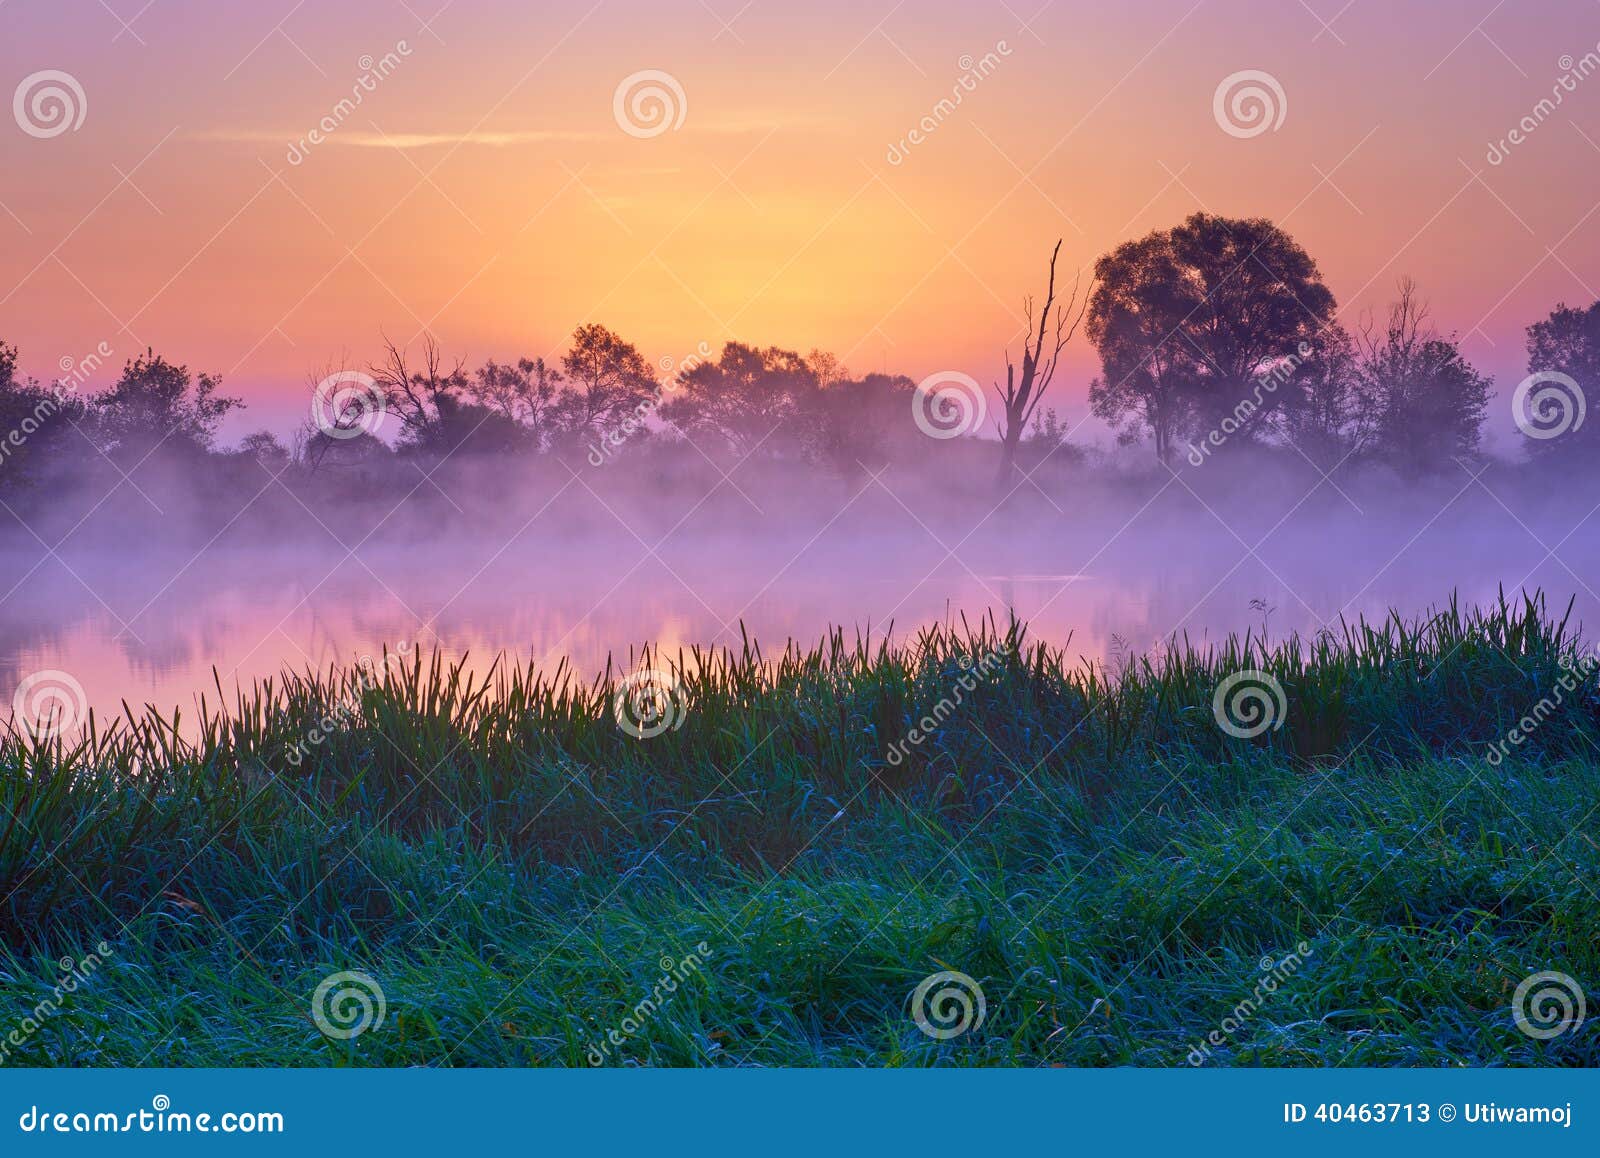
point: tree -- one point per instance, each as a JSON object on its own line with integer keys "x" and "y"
{"x": 156, "y": 404}
{"x": 747, "y": 398}
{"x": 1147, "y": 381}
{"x": 316, "y": 449}
{"x": 1325, "y": 415}
{"x": 35, "y": 423}
{"x": 263, "y": 446}
{"x": 1568, "y": 342}
{"x": 1041, "y": 349}
{"x": 1194, "y": 326}
{"x": 826, "y": 368}
{"x": 413, "y": 394}
{"x": 851, "y": 426}
{"x": 1260, "y": 299}
{"x": 1048, "y": 438}
{"x": 1426, "y": 401}
{"x": 523, "y": 391}
{"x": 609, "y": 380}
{"x": 462, "y": 425}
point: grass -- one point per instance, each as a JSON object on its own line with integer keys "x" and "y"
{"x": 521, "y": 877}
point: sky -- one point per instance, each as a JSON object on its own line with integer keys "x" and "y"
{"x": 489, "y": 189}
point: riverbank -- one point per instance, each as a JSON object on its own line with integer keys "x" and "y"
{"x": 1355, "y": 854}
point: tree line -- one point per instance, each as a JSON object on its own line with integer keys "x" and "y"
{"x": 1215, "y": 337}
{"x": 1219, "y": 335}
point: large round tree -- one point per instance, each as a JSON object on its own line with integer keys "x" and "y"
{"x": 1202, "y": 325}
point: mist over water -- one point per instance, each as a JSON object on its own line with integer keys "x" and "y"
{"x": 582, "y": 566}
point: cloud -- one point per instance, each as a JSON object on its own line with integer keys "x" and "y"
{"x": 375, "y": 138}
{"x": 368, "y": 139}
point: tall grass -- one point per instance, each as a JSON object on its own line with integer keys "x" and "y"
{"x": 1074, "y": 834}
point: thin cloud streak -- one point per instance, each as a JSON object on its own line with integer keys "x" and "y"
{"x": 374, "y": 139}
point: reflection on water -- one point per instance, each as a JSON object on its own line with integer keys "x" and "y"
{"x": 152, "y": 630}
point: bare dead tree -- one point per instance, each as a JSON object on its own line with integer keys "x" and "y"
{"x": 412, "y": 395}
{"x": 1041, "y": 349}
{"x": 333, "y": 419}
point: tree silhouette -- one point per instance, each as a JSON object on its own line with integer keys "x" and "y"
{"x": 413, "y": 394}
{"x": 264, "y": 447}
{"x": 1426, "y": 401}
{"x": 1041, "y": 349}
{"x": 1195, "y": 325}
{"x": 609, "y": 380}
{"x": 851, "y": 426}
{"x": 1568, "y": 342}
{"x": 36, "y": 423}
{"x": 1325, "y": 414}
{"x": 747, "y": 398}
{"x": 155, "y": 404}
{"x": 523, "y": 391}
{"x": 1147, "y": 380}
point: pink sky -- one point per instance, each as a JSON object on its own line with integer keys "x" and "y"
{"x": 485, "y": 192}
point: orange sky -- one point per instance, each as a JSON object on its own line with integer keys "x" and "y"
{"x": 484, "y": 190}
